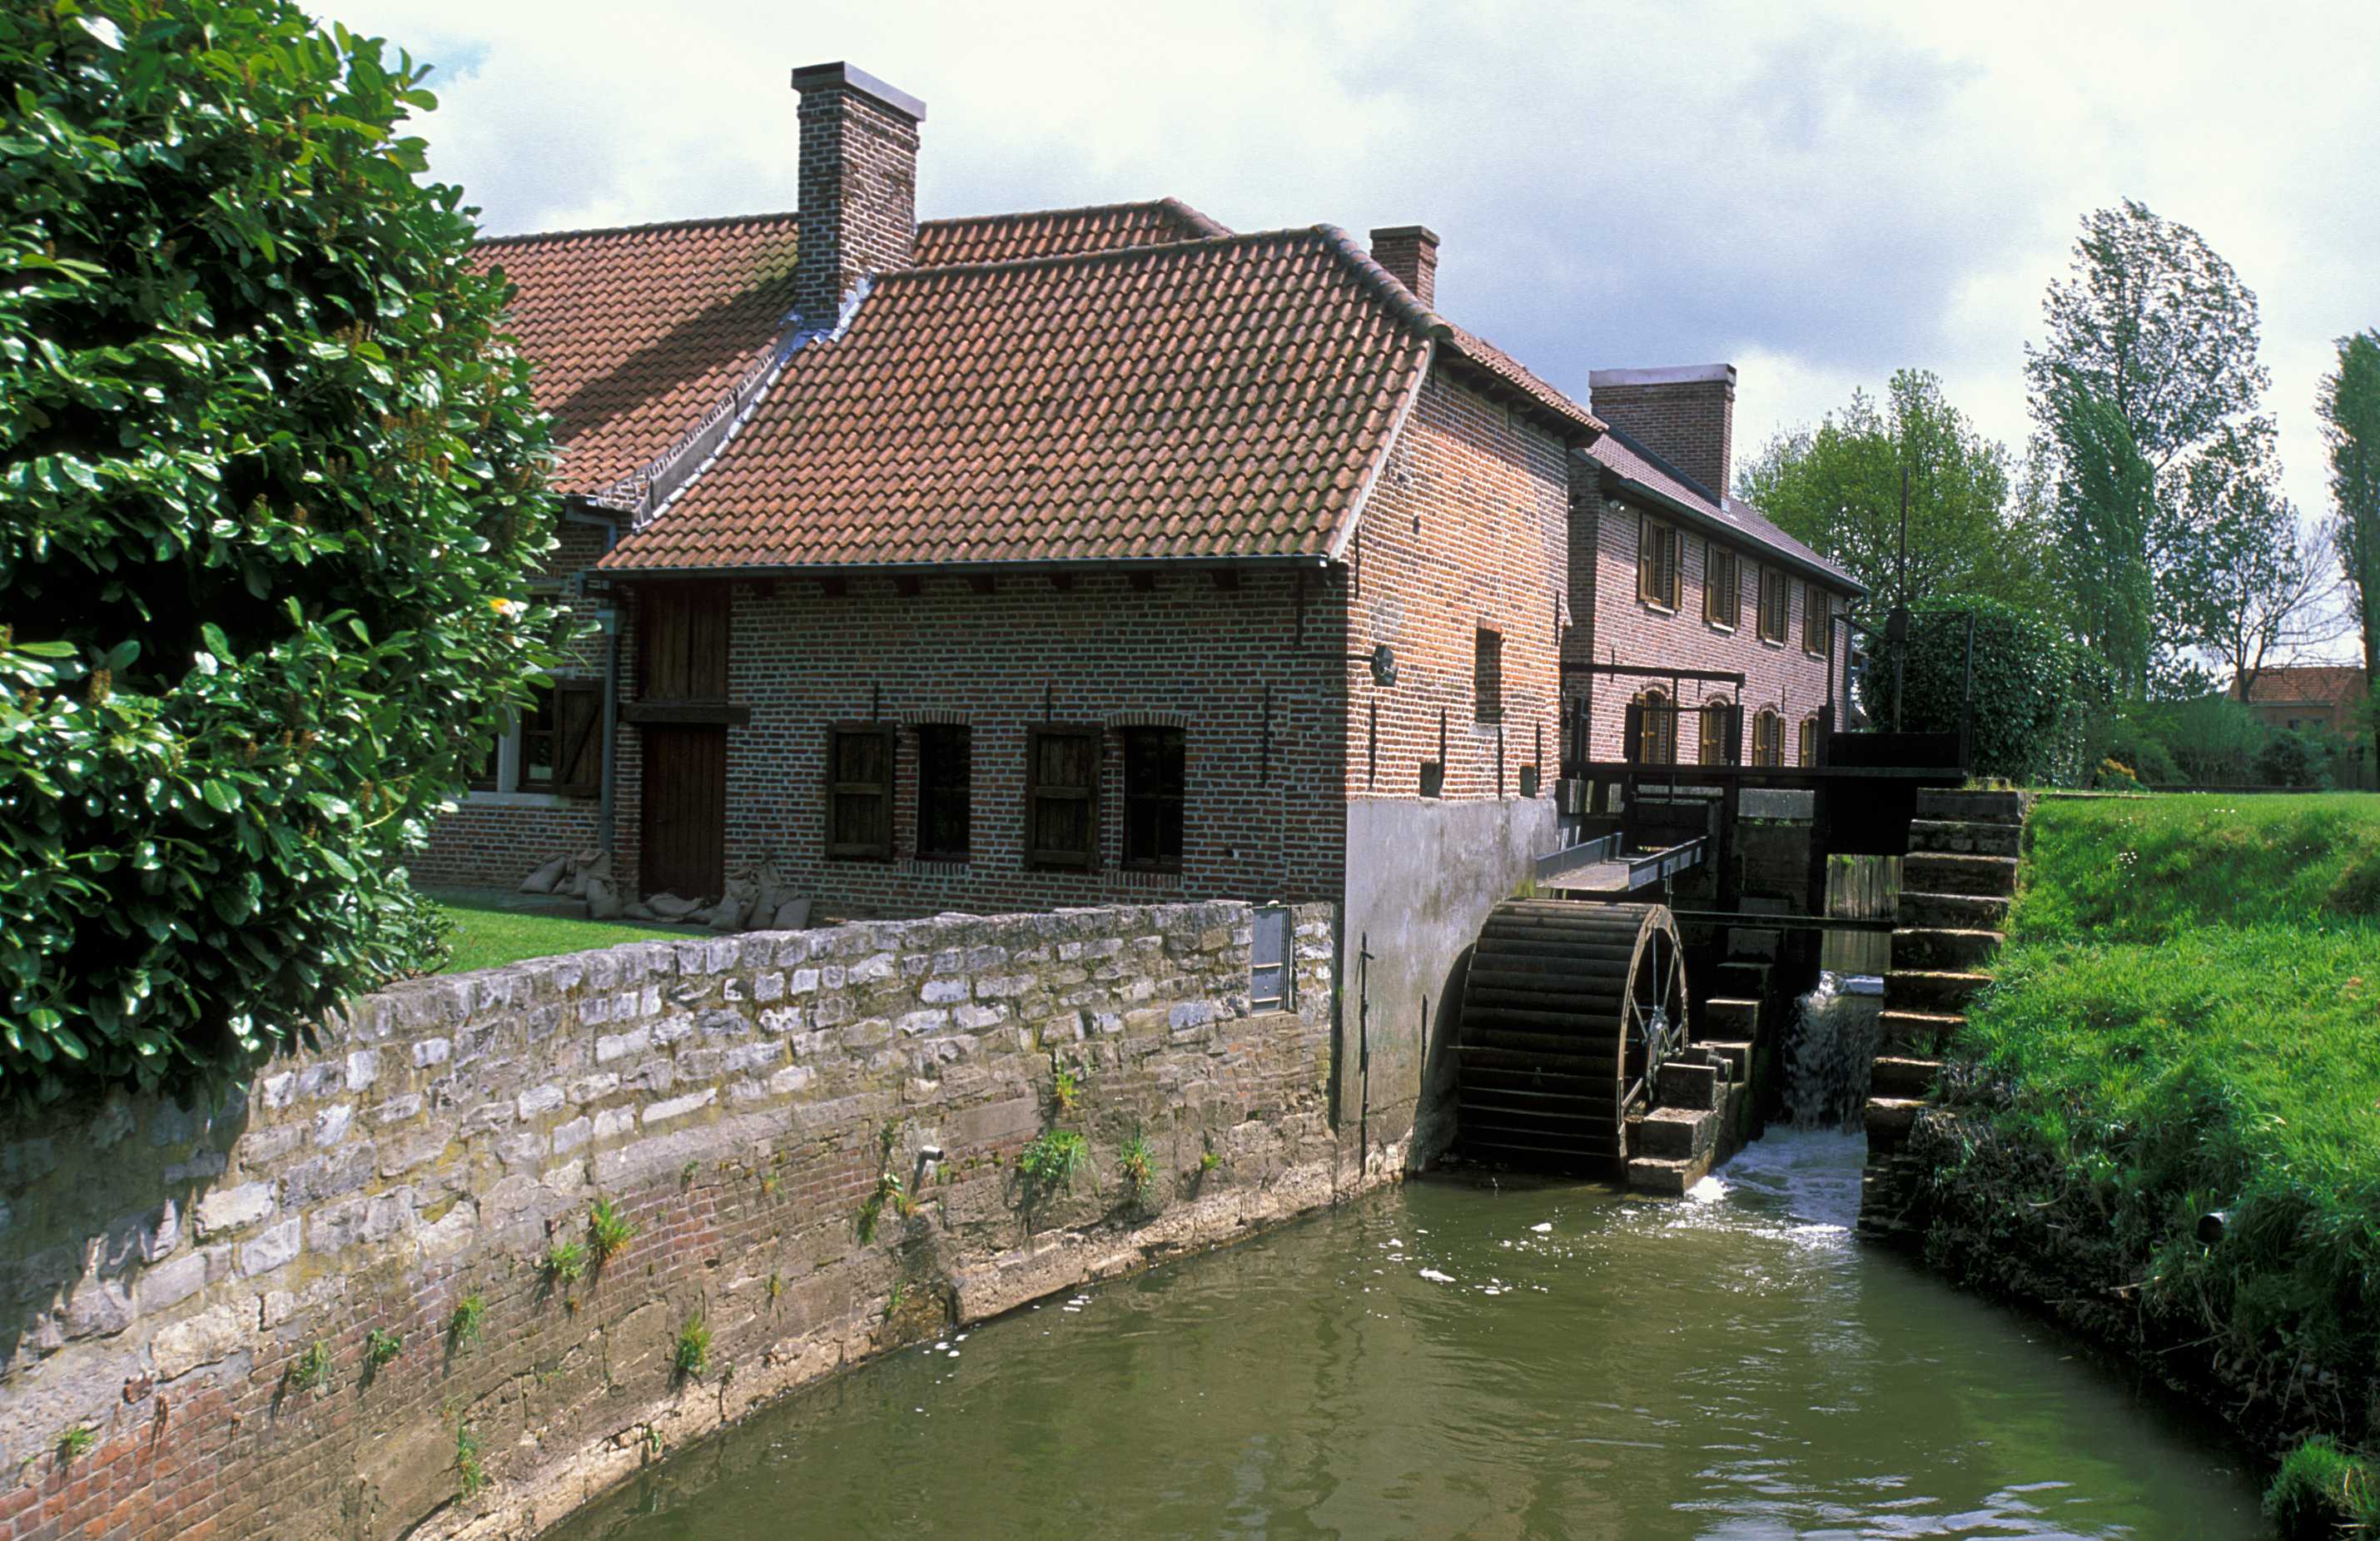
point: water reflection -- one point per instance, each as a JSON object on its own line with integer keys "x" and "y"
{"x": 1444, "y": 1361}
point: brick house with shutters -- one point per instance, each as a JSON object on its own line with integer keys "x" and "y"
{"x": 1072, "y": 557}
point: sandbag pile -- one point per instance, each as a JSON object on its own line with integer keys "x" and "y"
{"x": 758, "y": 899}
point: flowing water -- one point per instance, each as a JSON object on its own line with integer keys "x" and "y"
{"x": 1829, "y": 1049}
{"x": 1443, "y": 1360}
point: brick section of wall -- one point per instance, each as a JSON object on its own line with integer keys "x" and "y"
{"x": 1467, "y": 529}
{"x": 168, "y": 1269}
{"x": 1691, "y": 424}
{"x": 858, "y": 190}
{"x": 1630, "y": 631}
{"x": 1263, "y": 813}
{"x": 1410, "y": 251}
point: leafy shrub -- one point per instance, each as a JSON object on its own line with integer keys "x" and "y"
{"x": 2034, "y": 699}
{"x": 2293, "y": 758}
{"x": 275, "y": 486}
{"x": 2114, "y": 775}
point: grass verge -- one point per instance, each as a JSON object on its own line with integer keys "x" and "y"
{"x": 2186, "y": 1022}
{"x": 486, "y": 936}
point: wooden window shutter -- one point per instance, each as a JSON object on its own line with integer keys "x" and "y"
{"x": 1631, "y": 732}
{"x": 578, "y": 738}
{"x": 1648, "y": 560}
{"x": 1062, "y": 796}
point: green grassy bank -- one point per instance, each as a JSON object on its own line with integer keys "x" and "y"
{"x": 489, "y": 937}
{"x": 2186, "y": 1022}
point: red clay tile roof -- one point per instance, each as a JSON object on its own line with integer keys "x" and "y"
{"x": 1631, "y": 462}
{"x": 1223, "y": 397}
{"x": 637, "y": 332}
{"x": 2306, "y": 684}
{"x": 1055, "y": 232}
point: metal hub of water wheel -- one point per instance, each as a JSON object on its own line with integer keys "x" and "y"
{"x": 1568, "y": 1010}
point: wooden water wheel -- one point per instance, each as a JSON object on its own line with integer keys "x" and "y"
{"x": 1568, "y": 1013}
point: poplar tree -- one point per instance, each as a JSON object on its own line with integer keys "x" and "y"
{"x": 2349, "y": 405}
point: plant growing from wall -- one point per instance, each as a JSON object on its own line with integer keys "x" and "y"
{"x": 311, "y": 1368}
{"x": 381, "y": 1347}
{"x": 692, "y": 1355}
{"x": 276, "y": 490}
{"x": 1139, "y": 1169}
{"x": 1050, "y": 1163}
{"x": 470, "y": 1476}
{"x": 75, "y": 1441}
{"x": 608, "y": 1231}
{"x": 564, "y": 1262}
{"x": 1066, "y": 1087}
{"x": 464, "y": 1326}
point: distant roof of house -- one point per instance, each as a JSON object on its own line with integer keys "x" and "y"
{"x": 1059, "y": 232}
{"x": 2305, "y": 684}
{"x": 1630, "y": 465}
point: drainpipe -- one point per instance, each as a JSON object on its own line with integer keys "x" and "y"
{"x": 607, "y": 620}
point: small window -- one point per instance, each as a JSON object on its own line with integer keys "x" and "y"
{"x": 945, "y": 783}
{"x": 1656, "y": 563}
{"x": 1657, "y": 729}
{"x": 1433, "y": 777}
{"x": 1809, "y": 745}
{"x": 1816, "y": 612}
{"x": 1268, "y": 978}
{"x": 1715, "y": 717}
{"x": 859, "y": 793}
{"x": 1062, "y": 795}
{"x": 1487, "y": 676}
{"x": 1775, "y": 601}
{"x": 561, "y": 748}
{"x": 1768, "y": 739}
{"x": 1722, "y": 587}
{"x": 1152, "y": 798}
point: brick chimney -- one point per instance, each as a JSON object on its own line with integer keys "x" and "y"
{"x": 859, "y": 184}
{"x": 1686, "y": 416}
{"x": 1410, "y": 251}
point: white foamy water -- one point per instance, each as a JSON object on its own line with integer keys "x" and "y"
{"x": 1830, "y": 1049}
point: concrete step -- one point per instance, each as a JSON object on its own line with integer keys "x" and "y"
{"x": 1674, "y": 1134}
{"x": 1671, "y": 1178}
{"x": 1973, "y": 807}
{"x": 1924, "y": 1032}
{"x": 1941, "y": 948}
{"x": 1944, "y": 872}
{"x": 1736, "y": 1056}
{"x": 1695, "y": 1088}
{"x": 1938, "y": 990}
{"x": 1961, "y": 838}
{"x": 1890, "y": 1119}
{"x": 1728, "y": 1018}
{"x": 1895, "y": 1077}
{"x": 1957, "y": 912}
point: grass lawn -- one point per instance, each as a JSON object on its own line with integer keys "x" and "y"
{"x": 2187, "y": 1020}
{"x": 488, "y": 936}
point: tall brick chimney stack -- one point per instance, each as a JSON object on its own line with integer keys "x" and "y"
{"x": 859, "y": 184}
{"x": 1686, "y": 416}
{"x": 1411, "y": 252}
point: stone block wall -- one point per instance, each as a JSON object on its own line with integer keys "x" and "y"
{"x": 814, "y": 1136}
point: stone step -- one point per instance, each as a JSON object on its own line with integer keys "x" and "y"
{"x": 1739, "y": 980}
{"x": 1671, "y": 1178}
{"x": 1944, "y": 872}
{"x": 1973, "y": 808}
{"x": 1674, "y": 1134}
{"x": 1724, "y": 1017}
{"x": 1924, "y": 1032}
{"x": 1895, "y": 1077}
{"x": 1890, "y": 1119}
{"x": 1941, "y": 948}
{"x": 1942, "y": 990}
{"x": 1959, "y": 837}
{"x": 1736, "y": 1056}
{"x": 1957, "y": 912}
{"x": 1691, "y": 1086}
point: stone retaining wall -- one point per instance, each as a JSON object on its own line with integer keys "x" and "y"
{"x": 199, "y": 1291}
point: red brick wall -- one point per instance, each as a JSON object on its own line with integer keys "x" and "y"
{"x": 1630, "y": 631}
{"x": 859, "y": 174}
{"x": 1181, "y": 652}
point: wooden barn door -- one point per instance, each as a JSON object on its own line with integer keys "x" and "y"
{"x": 685, "y": 812}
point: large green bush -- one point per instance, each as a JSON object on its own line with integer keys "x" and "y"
{"x": 272, "y": 484}
{"x": 2035, "y": 695}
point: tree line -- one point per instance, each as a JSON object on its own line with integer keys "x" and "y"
{"x": 2144, "y": 525}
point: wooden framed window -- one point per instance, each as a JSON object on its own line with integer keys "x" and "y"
{"x": 1062, "y": 796}
{"x": 1653, "y": 731}
{"x": 1656, "y": 562}
{"x": 859, "y": 792}
{"x": 1816, "y": 612}
{"x": 1487, "y": 676}
{"x": 561, "y": 740}
{"x": 1717, "y": 715}
{"x": 1775, "y": 604}
{"x": 1153, "y": 775}
{"x": 1808, "y": 747}
{"x": 1722, "y": 587}
{"x": 946, "y": 790}
{"x": 1767, "y": 738}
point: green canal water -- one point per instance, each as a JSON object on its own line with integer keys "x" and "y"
{"x": 1445, "y": 1360}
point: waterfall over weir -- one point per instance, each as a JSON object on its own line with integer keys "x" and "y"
{"x": 1828, "y": 1050}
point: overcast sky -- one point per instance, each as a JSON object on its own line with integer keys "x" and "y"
{"x": 1818, "y": 196}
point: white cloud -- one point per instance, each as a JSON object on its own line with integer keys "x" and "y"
{"x": 1819, "y": 195}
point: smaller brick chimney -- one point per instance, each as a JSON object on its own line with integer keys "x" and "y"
{"x": 859, "y": 178}
{"x": 1686, "y": 416}
{"x": 1410, "y": 251}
